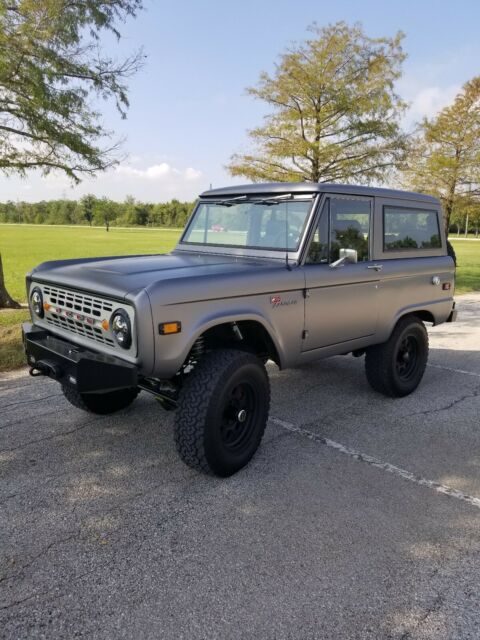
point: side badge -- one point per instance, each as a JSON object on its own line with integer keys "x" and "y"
{"x": 276, "y": 301}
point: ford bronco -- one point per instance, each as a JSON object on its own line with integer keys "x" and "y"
{"x": 283, "y": 272}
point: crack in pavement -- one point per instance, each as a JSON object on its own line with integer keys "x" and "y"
{"x": 433, "y": 608}
{"x": 47, "y": 592}
{"x": 177, "y": 505}
{"x": 14, "y": 404}
{"x": 41, "y": 553}
{"x": 7, "y": 498}
{"x": 53, "y": 436}
{"x": 452, "y": 404}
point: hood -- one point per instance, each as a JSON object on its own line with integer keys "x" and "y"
{"x": 119, "y": 276}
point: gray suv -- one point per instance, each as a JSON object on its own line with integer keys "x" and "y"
{"x": 284, "y": 272}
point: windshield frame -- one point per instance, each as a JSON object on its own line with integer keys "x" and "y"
{"x": 250, "y": 251}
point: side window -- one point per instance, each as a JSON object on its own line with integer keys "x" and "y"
{"x": 405, "y": 228}
{"x": 343, "y": 224}
{"x": 349, "y": 227}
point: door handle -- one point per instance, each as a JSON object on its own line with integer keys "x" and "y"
{"x": 377, "y": 267}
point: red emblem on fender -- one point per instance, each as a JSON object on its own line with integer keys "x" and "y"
{"x": 276, "y": 300}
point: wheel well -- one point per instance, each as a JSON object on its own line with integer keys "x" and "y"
{"x": 426, "y": 316}
{"x": 247, "y": 335}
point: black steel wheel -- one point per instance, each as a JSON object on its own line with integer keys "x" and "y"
{"x": 406, "y": 360}
{"x": 396, "y": 367}
{"x": 238, "y": 419}
{"x": 222, "y": 412}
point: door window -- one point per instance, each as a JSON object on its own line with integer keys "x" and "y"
{"x": 343, "y": 224}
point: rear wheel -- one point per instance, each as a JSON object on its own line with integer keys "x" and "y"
{"x": 100, "y": 403}
{"x": 396, "y": 367}
{"x": 222, "y": 412}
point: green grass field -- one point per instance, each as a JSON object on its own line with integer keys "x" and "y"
{"x": 24, "y": 246}
{"x": 468, "y": 265}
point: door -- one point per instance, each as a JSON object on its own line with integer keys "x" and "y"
{"x": 341, "y": 301}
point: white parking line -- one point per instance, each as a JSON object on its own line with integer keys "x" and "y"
{"x": 467, "y": 373}
{"x": 375, "y": 462}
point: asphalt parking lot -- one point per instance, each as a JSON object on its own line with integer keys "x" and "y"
{"x": 358, "y": 518}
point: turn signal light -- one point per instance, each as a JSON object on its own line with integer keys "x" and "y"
{"x": 105, "y": 325}
{"x": 167, "y": 328}
{"x": 46, "y": 306}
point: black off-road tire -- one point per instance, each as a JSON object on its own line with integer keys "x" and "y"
{"x": 100, "y": 403}
{"x": 396, "y": 367}
{"x": 211, "y": 433}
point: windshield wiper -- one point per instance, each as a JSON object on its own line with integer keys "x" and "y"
{"x": 230, "y": 201}
{"x": 274, "y": 199}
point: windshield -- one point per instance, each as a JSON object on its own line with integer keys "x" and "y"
{"x": 275, "y": 223}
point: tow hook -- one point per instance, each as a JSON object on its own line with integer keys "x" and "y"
{"x": 45, "y": 368}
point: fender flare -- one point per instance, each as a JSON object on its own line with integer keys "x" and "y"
{"x": 217, "y": 319}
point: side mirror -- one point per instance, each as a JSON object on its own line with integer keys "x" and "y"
{"x": 346, "y": 256}
{"x": 350, "y": 255}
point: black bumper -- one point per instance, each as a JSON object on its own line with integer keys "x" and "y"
{"x": 68, "y": 363}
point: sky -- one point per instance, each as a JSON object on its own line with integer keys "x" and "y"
{"x": 189, "y": 109}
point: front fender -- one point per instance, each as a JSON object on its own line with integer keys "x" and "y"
{"x": 171, "y": 351}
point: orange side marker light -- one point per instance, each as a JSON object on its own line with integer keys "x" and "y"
{"x": 167, "y": 328}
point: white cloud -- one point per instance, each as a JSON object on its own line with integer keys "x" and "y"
{"x": 159, "y": 172}
{"x": 157, "y": 182}
{"x": 427, "y": 102}
{"x": 151, "y": 173}
{"x": 431, "y": 86}
{"x": 192, "y": 174}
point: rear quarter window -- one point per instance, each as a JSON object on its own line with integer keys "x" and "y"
{"x": 410, "y": 229}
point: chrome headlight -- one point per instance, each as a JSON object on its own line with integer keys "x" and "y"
{"x": 121, "y": 328}
{"x": 36, "y": 302}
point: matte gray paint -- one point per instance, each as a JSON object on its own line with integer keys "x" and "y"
{"x": 342, "y": 309}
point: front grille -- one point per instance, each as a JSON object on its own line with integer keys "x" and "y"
{"x": 86, "y": 315}
{"x": 77, "y": 301}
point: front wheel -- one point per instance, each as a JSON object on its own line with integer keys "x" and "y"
{"x": 222, "y": 412}
{"x": 100, "y": 403}
{"x": 396, "y": 367}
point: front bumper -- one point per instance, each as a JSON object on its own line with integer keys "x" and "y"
{"x": 68, "y": 363}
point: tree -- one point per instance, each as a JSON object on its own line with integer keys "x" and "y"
{"x": 87, "y": 203}
{"x": 106, "y": 211}
{"x": 444, "y": 156}
{"x": 128, "y": 216}
{"x": 6, "y": 301}
{"x": 475, "y": 219}
{"x": 52, "y": 69}
{"x": 335, "y": 115}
